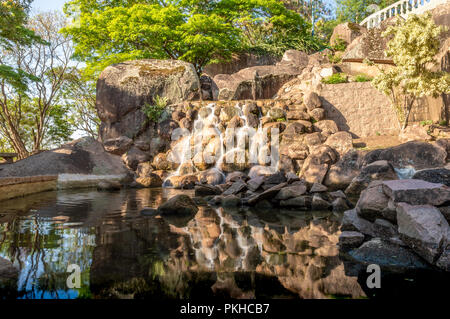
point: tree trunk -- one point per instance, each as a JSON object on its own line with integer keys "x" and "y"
{"x": 18, "y": 144}
{"x": 408, "y": 111}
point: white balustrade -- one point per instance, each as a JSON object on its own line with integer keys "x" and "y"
{"x": 401, "y": 8}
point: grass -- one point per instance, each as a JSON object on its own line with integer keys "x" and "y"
{"x": 154, "y": 112}
{"x": 362, "y": 78}
{"x": 335, "y": 79}
{"x": 423, "y": 123}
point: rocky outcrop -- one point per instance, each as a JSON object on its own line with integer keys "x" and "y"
{"x": 401, "y": 216}
{"x": 82, "y": 156}
{"x": 347, "y": 32}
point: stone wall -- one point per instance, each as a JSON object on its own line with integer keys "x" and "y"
{"x": 20, "y": 186}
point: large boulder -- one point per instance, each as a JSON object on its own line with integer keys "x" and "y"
{"x": 124, "y": 88}
{"x": 416, "y": 192}
{"x": 424, "y": 229}
{"x": 379, "y": 170}
{"x": 341, "y": 174}
{"x": 82, "y": 156}
{"x": 342, "y": 142}
{"x": 258, "y": 82}
{"x": 295, "y": 58}
{"x": 371, "y": 203}
{"x": 434, "y": 175}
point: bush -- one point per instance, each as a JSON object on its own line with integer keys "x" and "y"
{"x": 339, "y": 45}
{"x": 443, "y": 123}
{"x": 335, "y": 79}
{"x": 362, "y": 78}
{"x": 154, "y": 112}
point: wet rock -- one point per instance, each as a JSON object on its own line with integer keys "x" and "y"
{"x": 301, "y": 202}
{"x": 230, "y": 201}
{"x": 267, "y": 194}
{"x": 340, "y": 204}
{"x": 235, "y": 176}
{"x": 352, "y": 222}
{"x": 148, "y": 211}
{"x": 318, "y": 188}
{"x": 205, "y": 190}
{"x": 379, "y": 170}
{"x": 386, "y": 254}
{"x": 291, "y": 191}
{"x": 371, "y": 203}
{"x": 178, "y": 205}
{"x": 118, "y": 146}
{"x": 351, "y": 239}
{"x": 311, "y": 101}
{"x": 109, "y": 186}
{"x": 211, "y": 176}
{"x": 151, "y": 180}
{"x": 417, "y": 192}
{"x": 423, "y": 228}
{"x": 144, "y": 169}
{"x": 318, "y": 203}
{"x": 434, "y": 175}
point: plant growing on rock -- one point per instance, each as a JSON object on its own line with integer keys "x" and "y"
{"x": 413, "y": 45}
{"x": 154, "y": 111}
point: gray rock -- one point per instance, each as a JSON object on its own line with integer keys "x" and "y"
{"x": 318, "y": 188}
{"x": 423, "y": 228}
{"x": 434, "y": 175}
{"x": 236, "y": 188}
{"x": 416, "y": 192}
{"x": 230, "y": 201}
{"x": 178, "y": 205}
{"x": 254, "y": 183}
{"x": 118, "y": 146}
{"x": 235, "y": 176}
{"x": 445, "y": 211}
{"x": 386, "y": 254}
{"x": 205, "y": 190}
{"x": 350, "y": 239}
{"x": 444, "y": 260}
{"x": 267, "y": 194}
{"x": 340, "y": 204}
{"x": 301, "y": 202}
{"x": 352, "y": 222}
{"x": 276, "y": 178}
{"x": 384, "y": 229}
{"x": 291, "y": 191}
{"x": 318, "y": 203}
{"x": 371, "y": 203}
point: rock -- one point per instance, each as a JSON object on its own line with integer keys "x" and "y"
{"x": 384, "y": 229}
{"x": 181, "y": 182}
{"x": 291, "y": 191}
{"x": 165, "y": 129}
{"x": 211, "y": 176}
{"x": 257, "y": 82}
{"x": 254, "y": 183}
{"x": 109, "y": 186}
{"x": 424, "y": 229}
{"x": 123, "y": 88}
{"x": 347, "y": 32}
{"x": 276, "y": 178}
{"x": 379, "y": 170}
{"x": 205, "y": 190}
{"x": 276, "y": 113}
{"x": 148, "y": 211}
{"x": 118, "y": 146}
{"x": 301, "y": 202}
{"x": 314, "y": 173}
{"x": 144, "y": 169}
{"x": 434, "y": 175}
{"x": 151, "y": 180}
{"x": 267, "y": 194}
{"x": 414, "y": 133}
{"x": 259, "y": 170}
{"x": 419, "y": 155}
{"x": 160, "y": 162}
{"x": 350, "y": 239}
{"x": 417, "y": 192}
{"x": 230, "y": 201}
{"x": 295, "y": 57}
{"x": 237, "y": 187}
{"x": 342, "y": 142}
{"x": 311, "y": 101}
{"x": 352, "y": 222}
{"x": 444, "y": 260}
{"x": 326, "y": 127}
{"x": 298, "y": 150}
{"x": 235, "y": 176}
{"x": 318, "y": 188}
{"x": 386, "y": 254}
{"x": 298, "y": 115}
{"x": 134, "y": 157}
{"x": 83, "y": 156}
{"x": 371, "y": 203}
{"x": 292, "y": 177}
{"x": 329, "y": 71}
{"x": 341, "y": 174}
{"x": 340, "y": 205}
{"x": 317, "y": 114}
{"x": 445, "y": 211}
{"x": 318, "y": 203}
{"x": 178, "y": 205}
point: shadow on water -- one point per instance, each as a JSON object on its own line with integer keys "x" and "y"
{"x": 238, "y": 253}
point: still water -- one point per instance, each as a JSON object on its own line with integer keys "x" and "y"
{"x": 237, "y": 253}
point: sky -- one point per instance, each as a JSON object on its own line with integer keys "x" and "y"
{"x": 46, "y": 5}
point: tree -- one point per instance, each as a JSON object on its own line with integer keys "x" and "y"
{"x": 195, "y": 31}
{"x": 36, "y": 118}
{"x": 413, "y": 44}
{"x": 357, "y": 10}
{"x": 79, "y": 96}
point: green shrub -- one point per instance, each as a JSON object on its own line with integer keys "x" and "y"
{"x": 443, "y": 123}
{"x": 362, "y": 78}
{"x": 335, "y": 79}
{"x": 154, "y": 112}
{"x": 428, "y": 122}
{"x": 339, "y": 45}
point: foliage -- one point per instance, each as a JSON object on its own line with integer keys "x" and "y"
{"x": 335, "y": 79}
{"x": 339, "y": 44}
{"x": 196, "y": 31}
{"x": 428, "y": 122}
{"x": 154, "y": 111}
{"x": 38, "y": 118}
{"x": 357, "y": 10}
{"x": 362, "y": 78}
{"x": 412, "y": 46}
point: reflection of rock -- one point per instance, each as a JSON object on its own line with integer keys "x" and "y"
{"x": 8, "y": 278}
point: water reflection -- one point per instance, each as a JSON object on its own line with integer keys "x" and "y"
{"x": 229, "y": 253}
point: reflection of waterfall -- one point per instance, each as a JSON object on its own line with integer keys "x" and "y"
{"x": 220, "y": 136}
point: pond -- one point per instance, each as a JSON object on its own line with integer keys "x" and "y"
{"x": 237, "y": 253}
